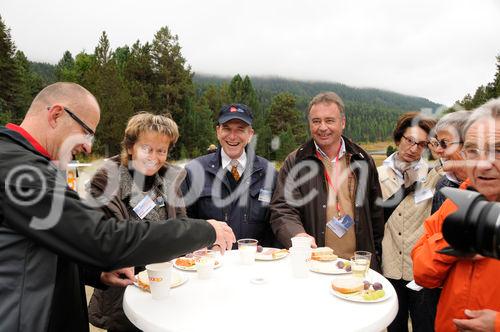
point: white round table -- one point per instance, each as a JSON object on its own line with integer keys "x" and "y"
{"x": 230, "y": 301}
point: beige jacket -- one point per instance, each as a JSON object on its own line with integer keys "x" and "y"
{"x": 404, "y": 226}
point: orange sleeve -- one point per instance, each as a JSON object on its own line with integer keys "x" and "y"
{"x": 429, "y": 267}
{"x": 497, "y": 322}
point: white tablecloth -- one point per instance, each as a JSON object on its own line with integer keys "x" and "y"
{"x": 230, "y": 301}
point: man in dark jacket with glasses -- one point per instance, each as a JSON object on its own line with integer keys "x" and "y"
{"x": 51, "y": 242}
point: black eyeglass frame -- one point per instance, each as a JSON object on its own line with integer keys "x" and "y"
{"x": 90, "y": 132}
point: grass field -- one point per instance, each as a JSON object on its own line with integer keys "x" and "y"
{"x": 376, "y": 146}
{"x": 378, "y": 159}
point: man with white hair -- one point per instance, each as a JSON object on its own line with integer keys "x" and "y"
{"x": 470, "y": 299}
{"x": 50, "y": 241}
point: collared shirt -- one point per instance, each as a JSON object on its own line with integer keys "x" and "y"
{"x": 226, "y": 161}
{"x": 29, "y": 138}
{"x": 389, "y": 162}
{"x": 451, "y": 176}
{"x": 324, "y": 155}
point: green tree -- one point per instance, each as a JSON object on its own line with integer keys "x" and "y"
{"x": 84, "y": 64}
{"x": 121, "y": 56}
{"x": 390, "y": 150}
{"x": 136, "y": 68}
{"x": 264, "y": 136}
{"x": 283, "y": 116}
{"x": 5, "y": 116}
{"x": 173, "y": 78}
{"x": 483, "y": 94}
{"x": 242, "y": 91}
{"x": 480, "y": 96}
{"x": 46, "y": 71}
{"x": 197, "y": 130}
{"x": 104, "y": 81}
{"x": 30, "y": 83}
{"x": 287, "y": 144}
{"x": 65, "y": 69}
{"x": 216, "y": 97}
{"x": 494, "y": 87}
{"x": 9, "y": 73}
{"x": 235, "y": 89}
{"x": 103, "y": 51}
{"x": 248, "y": 95}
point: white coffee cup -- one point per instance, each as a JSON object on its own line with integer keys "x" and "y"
{"x": 205, "y": 263}
{"x": 301, "y": 242}
{"x": 248, "y": 250}
{"x": 160, "y": 278}
{"x": 298, "y": 260}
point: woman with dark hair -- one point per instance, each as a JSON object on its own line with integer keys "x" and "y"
{"x": 407, "y": 184}
{"x": 123, "y": 184}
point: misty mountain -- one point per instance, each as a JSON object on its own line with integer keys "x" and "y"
{"x": 267, "y": 87}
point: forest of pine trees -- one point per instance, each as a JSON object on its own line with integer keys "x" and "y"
{"x": 482, "y": 93}
{"x": 155, "y": 77}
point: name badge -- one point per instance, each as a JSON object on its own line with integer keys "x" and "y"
{"x": 423, "y": 195}
{"x": 341, "y": 225}
{"x": 144, "y": 206}
{"x": 265, "y": 195}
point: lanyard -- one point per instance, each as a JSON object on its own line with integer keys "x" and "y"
{"x": 329, "y": 180}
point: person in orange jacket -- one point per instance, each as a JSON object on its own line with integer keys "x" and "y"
{"x": 470, "y": 300}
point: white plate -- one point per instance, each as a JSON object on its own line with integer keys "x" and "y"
{"x": 177, "y": 280}
{"x": 327, "y": 267}
{"x": 218, "y": 264}
{"x": 261, "y": 256}
{"x": 358, "y": 297}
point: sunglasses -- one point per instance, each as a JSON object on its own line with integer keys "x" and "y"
{"x": 442, "y": 143}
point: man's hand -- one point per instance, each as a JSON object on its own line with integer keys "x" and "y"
{"x": 457, "y": 166}
{"x": 313, "y": 242}
{"x": 119, "y": 278}
{"x": 479, "y": 320}
{"x": 224, "y": 235}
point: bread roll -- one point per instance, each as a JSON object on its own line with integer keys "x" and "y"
{"x": 347, "y": 285}
{"x": 323, "y": 254}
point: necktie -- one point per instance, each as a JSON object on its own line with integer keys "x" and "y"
{"x": 234, "y": 170}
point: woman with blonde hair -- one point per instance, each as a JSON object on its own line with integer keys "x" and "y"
{"x": 143, "y": 174}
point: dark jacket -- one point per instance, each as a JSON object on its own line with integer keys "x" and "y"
{"x": 208, "y": 185}
{"x": 105, "y": 307}
{"x": 41, "y": 260}
{"x": 289, "y": 218}
{"x": 439, "y": 198}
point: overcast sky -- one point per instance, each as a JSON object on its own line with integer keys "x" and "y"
{"x": 437, "y": 49}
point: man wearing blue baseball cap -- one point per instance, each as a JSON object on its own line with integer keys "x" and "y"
{"x": 233, "y": 183}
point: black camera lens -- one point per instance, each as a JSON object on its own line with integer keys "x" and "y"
{"x": 475, "y": 227}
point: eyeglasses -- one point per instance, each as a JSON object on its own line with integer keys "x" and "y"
{"x": 412, "y": 142}
{"x": 442, "y": 143}
{"x": 90, "y": 133}
{"x": 473, "y": 153}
